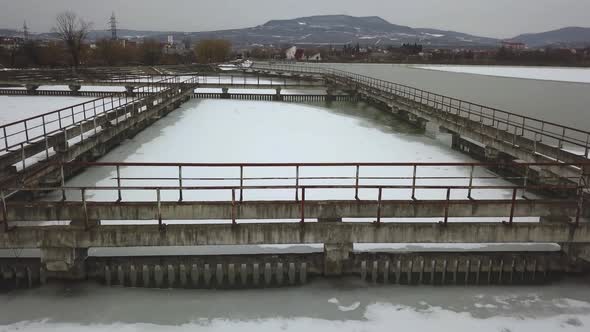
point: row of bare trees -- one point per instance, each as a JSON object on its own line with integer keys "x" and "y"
{"x": 73, "y": 32}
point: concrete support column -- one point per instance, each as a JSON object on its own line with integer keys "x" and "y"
{"x": 64, "y": 263}
{"x": 329, "y": 95}
{"x": 31, "y": 88}
{"x": 75, "y": 88}
{"x": 336, "y": 255}
{"x": 491, "y": 154}
{"x": 130, "y": 90}
{"x": 225, "y": 93}
{"x": 578, "y": 256}
{"x": 278, "y": 96}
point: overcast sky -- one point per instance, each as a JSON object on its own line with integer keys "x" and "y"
{"x": 493, "y": 18}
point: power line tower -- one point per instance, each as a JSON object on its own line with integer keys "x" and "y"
{"x": 25, "y": 31}
{"x": 113, "y": 22}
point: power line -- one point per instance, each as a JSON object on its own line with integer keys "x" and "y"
{"x": 113, "y": 22}
{"x": 25, "y": 30}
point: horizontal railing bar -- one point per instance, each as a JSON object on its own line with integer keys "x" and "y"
{"x": 101, "y": 188}
{"x": 349, "y": 164}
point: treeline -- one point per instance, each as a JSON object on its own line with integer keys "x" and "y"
{"x": 112, "y": 53}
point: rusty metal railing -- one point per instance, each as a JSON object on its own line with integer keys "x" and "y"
{"x": 18, "y": 135}
{"x": 441, "y": 183}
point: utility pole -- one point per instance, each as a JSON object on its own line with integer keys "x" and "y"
{"x": 25, "y": 31}
{"x": 113, "y": 22}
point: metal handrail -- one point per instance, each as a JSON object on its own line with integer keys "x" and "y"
{"x": 90, "y": 110}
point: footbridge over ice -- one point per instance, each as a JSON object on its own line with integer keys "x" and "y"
{"x": 540, "y": 171}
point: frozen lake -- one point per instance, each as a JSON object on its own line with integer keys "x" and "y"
{"x": 14, "y": 108}
{"x": 341, "y": 305}
{"x": 576, "y": 75}
{"x": 225, "y": 131}
{"x": 230, "y": 131}
{"x": 565, "y": 103}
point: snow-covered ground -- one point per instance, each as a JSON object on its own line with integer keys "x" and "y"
{"x": 564, "y": 74}
{"x": 14, "y": 108}
{"x": 248, "y": 131}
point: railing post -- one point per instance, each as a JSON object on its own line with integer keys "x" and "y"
{"x": 414, "y": 182}
{"x": 233, "y": 206}
{"x": 380, "y": 196}
{"x": 241, "y": 183}
{"x": 302, "y": 205}
{"x": 26, "y": 131}
{"x": 470, "y": 182}
{"x": 445, "y": 221}
{"x": 356, "y": 186}
{"x": 119, "y": 198}
{"x": 160, "y": 225}
{"x": 180, "y": 183}
{"x": 5, "y": 138}
{"x": 296, "y": 183}
{"x": 23, "y": 155}
{"x": 512, "y": 207}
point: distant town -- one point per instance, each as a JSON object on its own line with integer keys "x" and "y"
{"x": 377, "y": 42}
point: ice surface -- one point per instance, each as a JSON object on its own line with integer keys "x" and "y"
{"x": 581, "y": 75}
{"x": 14, "y": 108}
{"x": 241, "y": 131}
{"x": 376, "y": 317}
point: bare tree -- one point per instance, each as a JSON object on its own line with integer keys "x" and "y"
{"x": 72, "y": 30}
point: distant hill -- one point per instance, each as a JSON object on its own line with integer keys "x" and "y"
{"x": 567, "y": 37}
{"x": 343, "y": 29}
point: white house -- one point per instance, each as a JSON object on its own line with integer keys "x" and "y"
{"x": 290, "y": 53}
{"x": 315, "y": 57}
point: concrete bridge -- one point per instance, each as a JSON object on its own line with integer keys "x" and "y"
{"x": 546, "y": 181}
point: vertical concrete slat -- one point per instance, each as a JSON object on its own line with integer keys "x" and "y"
{"x": 255, "y": 274}
{"x": 244, "y": 274}
{"x": 375, "y": 272}
{"x": 398, "y": 271}
{"x": 291, "y": 273}
{"x": 132, "y": 276}
{"x": 171, "y": 276}
{"x": 194, "y": 275}
{"x": 107, "y": 275}
{"x": 207, "y": 275}
{"x": 363, "y": 270}
{"x": 303, "y": 273}
{"x": 121, "y": 275}
{"x": 279, "y": 274}
{"x": 145, "y": 274}
{"x": 158, "y": 276}
{"x": 432, "y": 271}
{"x": 182, "y": 275}
{"x": 219, "y": 275}
{"x": 267, "y": 274}
{"x": 231, "y": 274}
